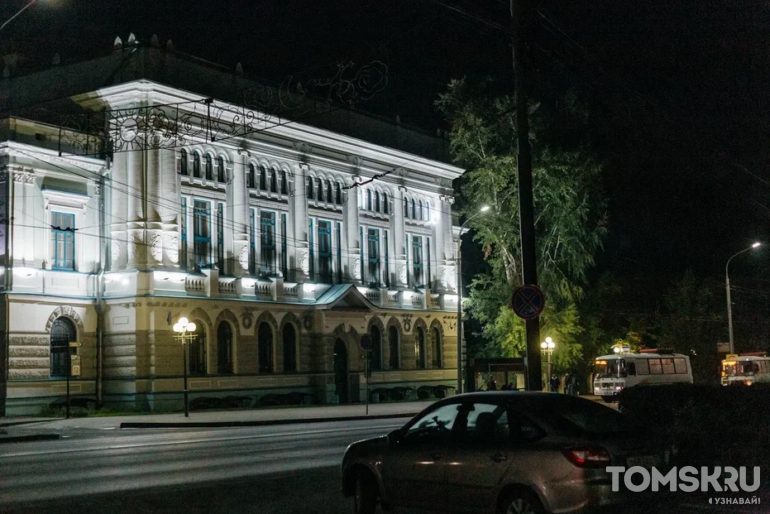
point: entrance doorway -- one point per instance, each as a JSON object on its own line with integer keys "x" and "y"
{"x": 341, "y": 370}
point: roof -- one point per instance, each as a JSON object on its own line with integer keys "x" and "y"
{"x": 344, "y": 296}
{"x": 641, "y": 356}
{"x": 45, "y": 95}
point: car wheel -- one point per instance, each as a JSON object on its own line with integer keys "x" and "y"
{"x": 365, "y": 496}
{"x": 521, "y": 502}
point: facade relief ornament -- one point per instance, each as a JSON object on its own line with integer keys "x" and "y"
{"x": 304, "y": 262}
{"x": 24, "y": 177}
{"x": 402, "y": 273}
{"x": 115, "y": 250}
{"x": 243, "y": 257}
{"x": 357, "y": 269}
{"x": 303, "y": 147}
{"x": 156, "y": 247}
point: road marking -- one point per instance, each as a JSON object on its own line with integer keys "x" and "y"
{"x": 194, "y": 441}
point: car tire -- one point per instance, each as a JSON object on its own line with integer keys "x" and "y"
{"x": 520, "y": 501}
{"x": 365, "y": 494}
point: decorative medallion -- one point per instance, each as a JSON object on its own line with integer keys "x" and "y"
{"x": 402, "y": 273}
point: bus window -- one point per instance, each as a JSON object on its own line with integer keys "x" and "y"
{"x": 631, "y": 367}
{"x": 680, "y": 365}
{"x": 642, "y": 367}
{"x": 655, "y": 367}
{"x": 668, "y": 366}
{"x": 610, "y": 368}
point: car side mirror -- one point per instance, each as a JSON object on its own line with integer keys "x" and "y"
{"x": 395, "y": 437}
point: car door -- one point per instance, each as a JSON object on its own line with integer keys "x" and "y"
{"x": 413, "y": 468}
{"x": 489, "y": 444}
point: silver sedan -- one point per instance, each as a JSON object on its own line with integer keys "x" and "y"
{"x": 498, "y": 453}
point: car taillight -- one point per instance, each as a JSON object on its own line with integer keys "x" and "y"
{"x": 589, "y": 457}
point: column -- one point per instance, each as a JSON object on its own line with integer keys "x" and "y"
{"x": 238, "y": 201}
{"x": 300, "y": 241}
{"x": 170, "y": 205}
{"x": 353, "y": 238}
{"x": 399, "y": 243}
{"x": 119, "y": 210}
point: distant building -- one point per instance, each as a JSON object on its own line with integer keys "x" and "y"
{"x": 181, "y": 202}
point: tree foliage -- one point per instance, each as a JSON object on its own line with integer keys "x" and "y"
{"x": 569, "y": 211}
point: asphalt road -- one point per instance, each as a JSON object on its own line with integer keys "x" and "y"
{"x": 280, "y": 469}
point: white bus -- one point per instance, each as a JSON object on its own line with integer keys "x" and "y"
{"x": 746, "y": 369}
{"x": 613, "y": 373}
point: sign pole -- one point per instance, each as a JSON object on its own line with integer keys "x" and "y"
{"x": 366, "y": 372}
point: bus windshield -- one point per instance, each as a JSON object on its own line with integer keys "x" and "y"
{"x": 610, "y": 368}
{"x": 736, "y": 369}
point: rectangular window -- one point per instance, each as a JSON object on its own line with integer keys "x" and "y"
{"x": 325, "y": 251}
{"x": 361, "y": 246}
{"x": 339, "y": 252}
{"x": 267, "y": 239}
{"x": 417, "y": 260}
{"x": 668, "y": 366}
{"x": 63, "y": 240}
{"x": 680, "y": 365}
{"x": 387, "y": 265}
{"x": 373, "y": 238}
{"x": 202, "y": 233}
{"x": 655, "y": 367}
{"x": 183, "y": 257}
{"x": 284, "y": 247}
{"x": 642, "y": 367}
{"x": 221, "y": 237}
{"x": 429, "y": 276}
{"x": 310, "y": 237}
{"x": 253, "y": 243}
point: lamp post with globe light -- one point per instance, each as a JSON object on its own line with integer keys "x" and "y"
{"x": 727, "y": 286}
{"x": 482, "y": 210}
{"x": 547, "y": 348}
{"x": 184, "y": 328}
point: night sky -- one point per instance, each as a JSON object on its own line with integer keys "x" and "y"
{"x": 688, "y": 179}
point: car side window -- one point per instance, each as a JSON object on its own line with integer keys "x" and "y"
{"x": 487, "y": 422}
{"x": 435, "y": 425}
{"x": 522, "y": 428}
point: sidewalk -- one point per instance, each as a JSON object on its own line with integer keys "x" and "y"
{"x": 251, "y": 417}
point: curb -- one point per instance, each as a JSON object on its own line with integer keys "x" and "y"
{"x": 265, "y": 423}
{"x": 30, "y": 438}
{"x": 28, "y": 422}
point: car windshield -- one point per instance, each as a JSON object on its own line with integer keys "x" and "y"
{"x": 610, "y": 368}
{"x": 578, "y": 417}
{"x": 734, "y": 369}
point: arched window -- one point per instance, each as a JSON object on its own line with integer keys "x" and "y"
{"x": 284, "y": 183}
{"x": 427, "y": 210}
{"x": 309, "y": 191}
{"x": 393, "y": 347}
{"x": 224, "y": 348}
{"x": 368, "y": 199}
{"x": 196, "y": 165}
{"x": 265, "y": 348}
{"x": 183, "y": 162}
{"x": 385, "y": 206}
{"x": 209, "y": 167}
{"x": 419, "y": 347}
{"x": 420, "y": 215}
{"x": 251, "y": 177}
{"x": 263, "y": 178}
{"x": 320, "y": 192}
{"x": 339, "y": 194}
{"x": 221, "y": 174}
{"x": 273, "y": 181}
{"x": 197, "y": 350}
{"x": 436, "y": 348}
{"x": 329, "y": 196}
{"x": 414, "y": 209}
{"x": 62, "y": 334}
{"x": 376, "y": 353}
{"x": 406, "y": 207}
{"x": 377, "y": 201}
{"x": 289, "y": 348}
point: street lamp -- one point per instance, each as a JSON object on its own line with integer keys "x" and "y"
{"x": 727, "y": 287}
{"x": 482, "y": 210}
{"x": 547, "y": 347}
{"x": 184, "y": 328}
{"x": 30, "y": 4}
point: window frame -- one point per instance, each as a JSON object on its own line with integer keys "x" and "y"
{"x": 66, "y": 236}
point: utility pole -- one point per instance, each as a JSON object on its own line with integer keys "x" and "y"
{"x": 520, "y": 24}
